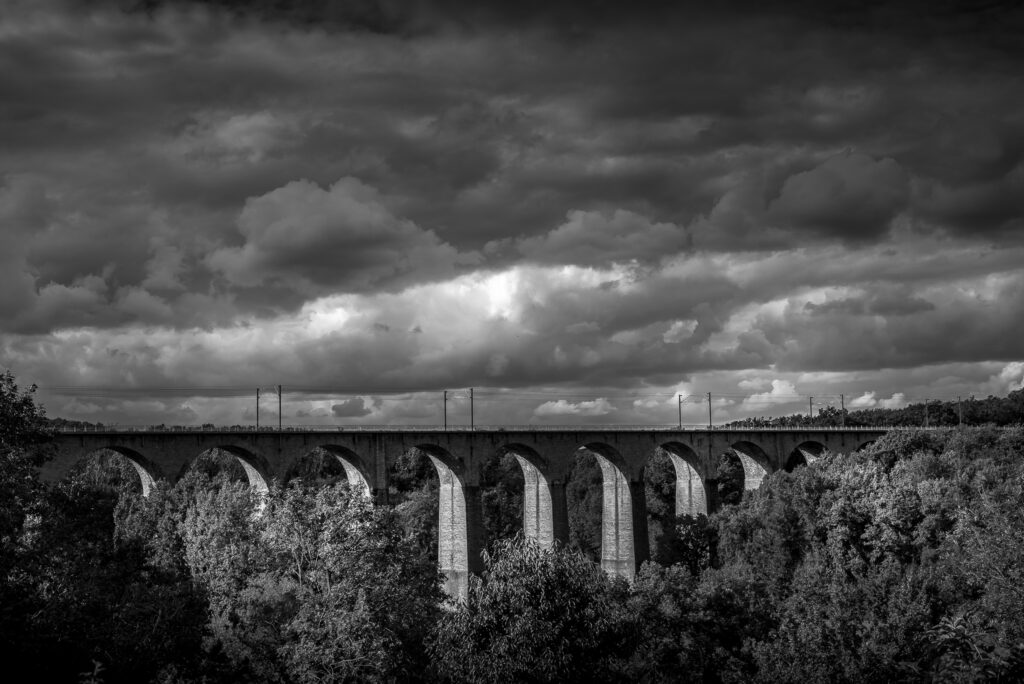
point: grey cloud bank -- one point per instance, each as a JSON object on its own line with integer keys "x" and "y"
{"x": 655, "y": 199}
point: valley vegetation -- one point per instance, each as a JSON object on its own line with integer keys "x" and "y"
{"x": 903, "y": 562}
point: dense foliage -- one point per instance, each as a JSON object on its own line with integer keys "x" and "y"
{"x": 205, "y": 579}
{"x": 904, "y": 562}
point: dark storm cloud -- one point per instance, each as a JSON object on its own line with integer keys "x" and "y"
{"x": 351, "y": 408}
{"x": 995, "y": 206}
{"x": 851, "y": 196}
{"x": 508, "y": 145}
{"x": 965, "y": 19}
{"x": 891, "y": 302}
{"x": 603, "y": 193}
{"x": 600, "y": 239}
{"x": 968, "y": 324}
{"x": 341, "y": 238}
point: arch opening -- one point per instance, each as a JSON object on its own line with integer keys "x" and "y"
{"x": 684, "y": 536}
{"x": 116, "y": 468}
{"x": 662, "y": 489}
{"x": 754, "y": 462}
{"x": 623, "y": 537}
{"x": 513, "y": 495}
{"x": 413, "y": 493}
{"x": 541, "y": 495}
{"x": 730, "y": 478}
{"x": 329, "y": 464}
{"x": 230, "y": 463}
{"x": 803, "y": 454}
{"x": 584, "y": 496}
{"x": 690, "y": 493}
{"x": 453, "y": 532}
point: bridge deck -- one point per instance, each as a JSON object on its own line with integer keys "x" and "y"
{"x": 134, "y": 429}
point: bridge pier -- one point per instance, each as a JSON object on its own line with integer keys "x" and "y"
{"x": 624, "y": 544}
{"x": 459, "y": 531}
{"x": 545, "y": 514}
{"x": 691, "y": 497}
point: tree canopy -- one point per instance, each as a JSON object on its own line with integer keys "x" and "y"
{"x": 903, "y": 562}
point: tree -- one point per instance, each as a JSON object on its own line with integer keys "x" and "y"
{"x": 729, "y": 475}
{"x": 583, "y": 494}
{"x": 318, "y": 467}
{"x": 502, "y": 497}
{"x": 848, "y": 627}
{"x": 312, "y": 584}
{"x": 413, "y": 490}
{"x": 695, "y": 543}
{"x": 668, "y": 635}
{"x": 23, "y": 437}
{"x": 97, "y": 600}
{"x": 660, "y": 493}
{"x": 983, "y": 637}
{"x": 1008, "y": 410}
{"x": 366, "y": 598}
{"x": 537, "y": 615}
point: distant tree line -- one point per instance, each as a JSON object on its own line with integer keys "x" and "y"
{"x": 1001, "y": 411}
{"x": 904, "y": 562}
{"x": 65, "y": 424}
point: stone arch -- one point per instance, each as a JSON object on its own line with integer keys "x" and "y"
{"x": 460, "y": 528}
{"x": 443, "y": 461}
{"x": 316, "y": 467}
{"x": 545, "y": 516}
{"x": 525, "y": 454}
{"x": 608, "y": 453}
{"x": 755, "y": 464}
{"x": 355, "y": 468}
{"x": 256, "y": 471}
{"x": 864, "y": 445}
{"x": 148, "y": 472}
{"x": 623, "y": 514}
{"x": 691, "y": 492}
{"x": 805, "y": 453}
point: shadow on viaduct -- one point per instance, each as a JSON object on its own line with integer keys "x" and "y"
{"x": 546, "y": 457}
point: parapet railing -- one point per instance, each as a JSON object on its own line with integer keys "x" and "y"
{"x": 674, "y": 427}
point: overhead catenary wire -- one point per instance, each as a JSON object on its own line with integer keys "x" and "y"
{"x": 493, "y": 395}
{"x": 388, "y": 394}
{"x": 327, "y": 390}
{"x": 568, "y": 402}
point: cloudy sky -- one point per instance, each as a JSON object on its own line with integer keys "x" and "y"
{"x": 583, "y": 210}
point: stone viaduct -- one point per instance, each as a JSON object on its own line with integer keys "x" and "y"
{"x": 545, "y": 455}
